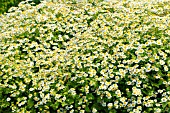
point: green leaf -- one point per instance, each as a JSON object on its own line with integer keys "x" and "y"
{"x": 99, "y": 100}
{"x": 53, "y": 106}
{"x": 164, "y": 105}
{"x": 145, "y": 92}
{"x": 160, "y": 82}
{"x": 57, "y": 104}
{"x": 64, "y": 104}
{"x": 70, "y": 101}
{"x": 168, "y": 104}
{"x": 76, "y": 104}
{"x": 129, "y": 94}
{"x": 7, "y": 90}
{"x": 113, "y": 111}
{"x": 30, "y": 103}
{"x": 149, "y": 110}
{"x": 90, "y": 96}
{"x": 87, "y": 109}
{"x": 155, "y": 84}
{"x": 4, "y": 104}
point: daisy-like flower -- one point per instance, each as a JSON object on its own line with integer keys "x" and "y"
{"x": 160, "y": 91}
{"x": 57, "y": 96}
{"x": 133, "y": 104}
{"x": 82, "y": 111}
{"x": 156, "y": 69}
{"x": 164, "y": 99}
{"x": 110, "y": 105}
{"x": 162, "y": 62}
{"x": 159, "y": 42}
{"x": 123, "y": 99}
{"x": 92, "y": 72}
{"x": 116, "y": 104}
{"x": 108, "y": 95}
{"x": 8, "y": 99}
{"x": 31, "y": 89}
{"x": 139, "y": 108}
{"x": 152, "y": 60}
{"x": 157, "y": 110}
{"x": 136, "y": 91}
{"x": 72, "y": 111}
{"x": 118, "y": 93}
{"x": 166, "y": 68}
{"x": 140, "y": 51}
{"x": 115, "y": 86}
{"x": 94, "y": 110}
{"x": 122, "y": 72}
{"x": 102, "y": 86}
{"x": 129, "y": 83}
{"x": 86, "y": 89}
{"x": 148, "y": 69}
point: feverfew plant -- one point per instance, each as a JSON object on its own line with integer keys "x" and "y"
{"x": 110, "y": 56}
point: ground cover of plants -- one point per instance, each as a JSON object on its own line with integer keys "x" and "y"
{"x": 6, "y": 4}
{"x": 105, "y": 57}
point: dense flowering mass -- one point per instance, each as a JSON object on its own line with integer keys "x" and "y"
{"x": 70, "y": 57}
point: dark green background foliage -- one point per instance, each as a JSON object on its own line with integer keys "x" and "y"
{"x": 6, "y": 4}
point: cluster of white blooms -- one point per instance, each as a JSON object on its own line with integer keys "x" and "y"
{"x": 110, "y": 56}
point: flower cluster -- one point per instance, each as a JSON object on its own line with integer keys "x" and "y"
{"x": 96, "y": 57}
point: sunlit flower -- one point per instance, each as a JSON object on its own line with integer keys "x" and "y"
{"x": 157, "y": 110}
{"x": 31, "y": 89}
{"x": 161, "y": 62}
{"x": 8, "y": 99}
{"x": 55, "y": 52}
{"x": 163, "y": 99}
{"x": 136, "y": 91}
{"x": 159, "y": 42}
{"x": 109, "y": 96}
{"x": 118, "y": 93}
{"x": 82, "y": 111}
{"x": 110, "y": 105}
{"x": 166, "y": 68}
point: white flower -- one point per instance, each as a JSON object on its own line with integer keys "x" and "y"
{"x": 110, "y": 105}
{"x": 159, "y": 42}
{"x": 64, "y": 98}
{"x": 136, "y": 91}
{"x": 82, "y": 111}
{"x": 91, "y": 13}
{"x": 104, "y": 104}
{"x": 72, "y": 111}
{"x": 162, "y": 62}
{"x": 57, "y": 96}
{"x": 94, "y": 110}
{"x": 109, "y": 96}
{"x": 8, "y": 99}
{"x": 156, "y": 69}
{"x": 160, "y": 91}
{"x": 31, "y": 89}
{"x": 118, "y": 93}
{"x": 163, "y": 99}
{"x": 60, "y": 38}
{"x": 166, "y": 68}
{"x": 157, "y": 110}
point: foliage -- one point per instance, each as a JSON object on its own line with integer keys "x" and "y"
{"x": 104, "y": 57}
{"x": 6, "y": 4}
